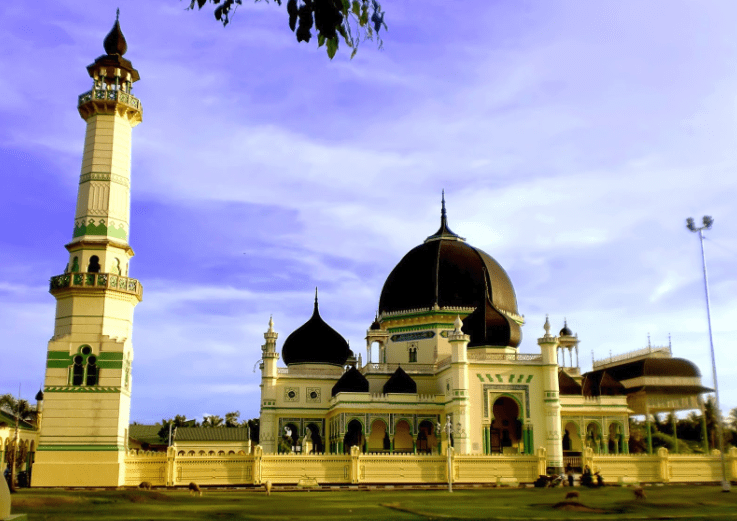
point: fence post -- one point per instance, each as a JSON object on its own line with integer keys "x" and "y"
{"x": 258, "y": 454}
{"x": 588, "y": 458}
{"x": 732, "y": 465}
{"x": 542, "y": 459}
{"x": 663, "y": 465}
{"x": 170, "y": 455}
{"x": 355, "y": 454}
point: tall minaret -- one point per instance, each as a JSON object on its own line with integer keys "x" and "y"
{"x": 88, "y": 383}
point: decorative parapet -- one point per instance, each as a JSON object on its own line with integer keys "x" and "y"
{"x": 659, "y": 351}
{"x": 503, "y": 357}
{"x": 391, "y": 368}
{"x": 422, "y": 311}
{"x": 109, "y": 95}
{"x": 95, "y": 282}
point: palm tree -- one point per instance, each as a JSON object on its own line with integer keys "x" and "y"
{"x": 231, "y": 419}
{"x": 212, "y": 421}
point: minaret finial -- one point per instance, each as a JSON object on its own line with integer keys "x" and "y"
{"x": 316, "y": 299}
{"x": 117, "y": 14}
{"x": 443, "y": 213}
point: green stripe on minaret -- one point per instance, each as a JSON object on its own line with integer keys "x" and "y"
{"x": 100, "y": 229}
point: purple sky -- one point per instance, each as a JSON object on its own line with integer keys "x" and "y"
{"x": 572, "y": 139}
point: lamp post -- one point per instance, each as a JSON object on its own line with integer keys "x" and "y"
{"x": 707, "y": 222}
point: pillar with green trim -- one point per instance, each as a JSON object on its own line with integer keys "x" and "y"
{"x": 87, "y": 385}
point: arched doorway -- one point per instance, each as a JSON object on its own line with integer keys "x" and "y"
{"x": 593, "y": 437}
{"x": 378, "y": 437}
{"x": 312, "y": 443}
{"x": 403, "y": 440}
{"x": 353, "y": 436}
{"x": 426, "y": 439}
{"x": 289, "y": 438}
{"x": 616, "y": 434}
{"x": 506, "y": 429}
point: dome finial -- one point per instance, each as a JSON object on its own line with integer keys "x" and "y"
{"x": 444, "y": 232}
{"x": 117, "y": 14}
{"x": 316, "y": 312}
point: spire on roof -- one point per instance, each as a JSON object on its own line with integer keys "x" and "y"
{"x": 444, "y": 232}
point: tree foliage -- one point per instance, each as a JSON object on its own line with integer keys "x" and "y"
{"x": 352, "y": 20}
{"x": 24, "y": 410}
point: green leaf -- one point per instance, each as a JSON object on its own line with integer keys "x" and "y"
{"x": 356, "y": 8}
{"x": 355, "y": 50}
{"x": 346, "y": 6}
{"x": 320, "y": 40}
{"x": 332, "y": 46}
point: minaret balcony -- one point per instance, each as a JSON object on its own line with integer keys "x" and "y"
{"x": 95, "y": 282}
{"x": 110, "y": 95}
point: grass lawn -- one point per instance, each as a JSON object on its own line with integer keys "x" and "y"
{"x": 669, "y": 502}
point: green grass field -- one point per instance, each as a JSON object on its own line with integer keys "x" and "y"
{"x": 670, "y": 502}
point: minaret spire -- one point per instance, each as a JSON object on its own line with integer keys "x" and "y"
{"x": 316, "y": 311}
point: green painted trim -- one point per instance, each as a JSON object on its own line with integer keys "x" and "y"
{"x": 57, "y": 364}
{"x": 81, "y": 448}
{"x": 58, "y": 355}
{"x": 551, "y": 400}
{"x": 429, "y": 313}
{"x": 109, "y": 364}
{"x": 566, "y": 406}
{"x": 81, "y": 389}
{"x": 422, "y": 327}
{"x": 99, "y": 229}
{"x": 529, "y": 378}
{"x": 110, "y": 355}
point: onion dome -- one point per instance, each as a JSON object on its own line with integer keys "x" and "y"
{"x": 400, "y": 382}
{"x": 566, "y": 331}
{"x": 445, "y": 271}
{"x": 40, "y": 395}
{"x": 315, "y": 342}
{"x": 352, "y": 381}
{"x": 114, "y": 42}
{"x": 375, "y": 325}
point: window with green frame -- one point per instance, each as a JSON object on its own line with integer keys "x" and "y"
{"x": 84, "y": 369}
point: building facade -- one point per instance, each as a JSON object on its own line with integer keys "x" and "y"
{"x": 448, "y": 370}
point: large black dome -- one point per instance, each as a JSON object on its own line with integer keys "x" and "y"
{"x": 446, "y": 271}
{"x": 315, "y": 342}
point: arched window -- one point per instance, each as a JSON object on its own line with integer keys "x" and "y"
{"x": 94, "y": 265}
{"x": 84, "y": 370}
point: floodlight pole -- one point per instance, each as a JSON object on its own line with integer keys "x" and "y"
{"x": 708, "y": 221}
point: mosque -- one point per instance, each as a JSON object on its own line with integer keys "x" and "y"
{"x": 449, "y": 371}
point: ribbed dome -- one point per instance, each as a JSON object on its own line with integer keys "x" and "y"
{"x": 315, "y": 342}
{"x": 400, "y": 382}
{"x": 114, "y": 42}
{"x": 352, "y": 381}
{"x": 446, "y": 271}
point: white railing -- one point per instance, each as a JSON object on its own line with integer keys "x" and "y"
{"x": 659, "y": 350}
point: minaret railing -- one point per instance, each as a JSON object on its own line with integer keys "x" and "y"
{"x": 98, "y": 281}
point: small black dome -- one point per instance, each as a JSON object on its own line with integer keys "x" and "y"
{"x": 40, "y": 395}
{"x": 315, "y": 342}
{"x": 565, "y": 331}
{"x": 375, "y": 325}
{"x": 114, "y": 42}
{"x": 400, "y": 382}
{"x": 352, "y": 381}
